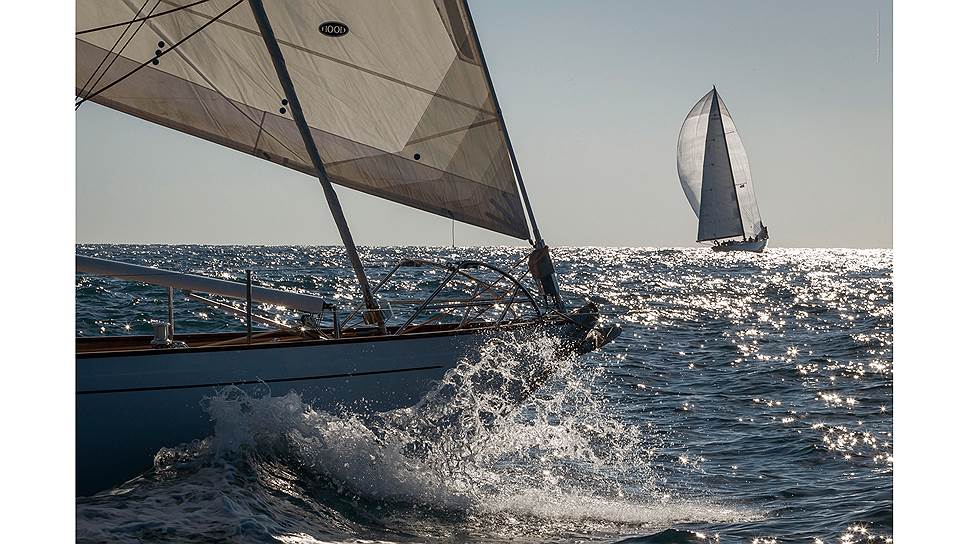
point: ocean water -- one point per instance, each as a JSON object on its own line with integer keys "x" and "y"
{"x": 749, "y": 399}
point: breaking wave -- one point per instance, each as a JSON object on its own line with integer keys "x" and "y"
{"x": 483, "y": 454}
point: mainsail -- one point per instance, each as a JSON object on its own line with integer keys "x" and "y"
{"x": 398, "y": 104}
{"x": 715, "y": 174}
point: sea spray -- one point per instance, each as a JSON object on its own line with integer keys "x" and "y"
{"x": 475, "y": 446}
{"x": 484, "y": 430}
{"x": 513, "y": 442}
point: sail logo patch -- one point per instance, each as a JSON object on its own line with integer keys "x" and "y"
{"x": 334, "y": 29}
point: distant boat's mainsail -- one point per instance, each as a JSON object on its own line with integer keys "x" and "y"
{"x": 395, "y": 93}
{"x": 715, "y": 173}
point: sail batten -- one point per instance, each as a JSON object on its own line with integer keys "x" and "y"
{"x": 714, "y": 172}
{"x": 398, "y": 106}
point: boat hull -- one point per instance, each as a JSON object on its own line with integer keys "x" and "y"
{"x": 131, "y": 404}
{"x": 756, "y": 247}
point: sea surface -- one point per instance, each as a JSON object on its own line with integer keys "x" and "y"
{"x": 749, "y": 399}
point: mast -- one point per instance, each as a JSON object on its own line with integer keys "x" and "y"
{"x": 539, "y": 242}
{"x": 265, "y": 28}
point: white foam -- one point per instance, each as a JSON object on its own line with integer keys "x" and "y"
{"x": 557, "y": 463}
{"x": 582, "y": 507}
{"x": 558, "y": 455}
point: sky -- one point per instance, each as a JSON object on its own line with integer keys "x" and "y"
{"x": 594, "y": 94}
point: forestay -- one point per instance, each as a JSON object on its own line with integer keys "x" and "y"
{"x": 714, "y": 172}
{"x": 394, "y": 92}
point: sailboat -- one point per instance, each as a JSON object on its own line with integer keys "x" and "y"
{"x": 715, "y": 175}
{"x": 393, "y": 99}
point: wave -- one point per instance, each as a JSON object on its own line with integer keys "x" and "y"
{"x": 475, "y": 455}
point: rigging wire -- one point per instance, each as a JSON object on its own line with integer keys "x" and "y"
{"x": 255, "y": 146}
{"x": 123, "y": 47}
{"x": 259, "y": 124}
{"x": 108, "y": 54}
{"x": 159, "y": 55}
{"x": 150, "y": 16}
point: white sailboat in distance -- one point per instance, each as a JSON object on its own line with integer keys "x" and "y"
{"x": 392, "y": 99}
{"x": 715, "y": 175}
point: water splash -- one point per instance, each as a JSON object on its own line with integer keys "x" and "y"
{"x": 477, "y": 442}
{"x": 480, "y": 453}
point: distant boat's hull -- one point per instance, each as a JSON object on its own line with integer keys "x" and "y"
{"x": 755, "y": 247}
{"x": 132, "y": 403}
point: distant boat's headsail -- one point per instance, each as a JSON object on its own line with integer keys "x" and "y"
{"x": 715, "y": 174}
